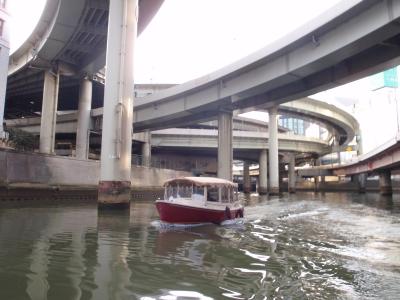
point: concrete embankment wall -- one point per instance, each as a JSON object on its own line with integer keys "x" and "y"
{"x": 372, "y": 185}
{"x": 33, "y": 171}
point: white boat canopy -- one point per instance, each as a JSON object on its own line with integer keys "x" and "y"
{"x": 201, "y": 181}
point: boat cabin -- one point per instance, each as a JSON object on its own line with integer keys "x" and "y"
{"x": 202, "y": 189}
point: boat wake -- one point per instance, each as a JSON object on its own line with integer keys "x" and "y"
{"x": 233, "y": 222}
{"x": 164, "y": 225}
{"x": 176, "y": 226}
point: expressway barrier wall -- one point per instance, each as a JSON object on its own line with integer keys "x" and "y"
{"x": 372, "y": 185}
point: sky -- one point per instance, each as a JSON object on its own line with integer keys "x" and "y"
{"x": 191, "y": 38}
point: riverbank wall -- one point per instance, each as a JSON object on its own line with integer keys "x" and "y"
{"x": 33, "y": 175}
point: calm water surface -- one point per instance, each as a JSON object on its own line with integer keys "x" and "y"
{"x": 322, "y": 246}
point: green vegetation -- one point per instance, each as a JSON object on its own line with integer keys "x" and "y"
{"x": 22, "y": 140}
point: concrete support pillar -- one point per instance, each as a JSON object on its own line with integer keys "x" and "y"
{"x": 225, "y": 150}
{"x": 83, "y": 126}
{"x": 49, "y": 112}
{"x": 385, "y": 183}
{"x": 292, "y": 175}
{"x": 246, "y": 177}
{"x": 316, "y": 183}
{"x": 4, "y": 54}
{"x": 337, "y": 148}
{"x": 116, "y": 143}
{"x": 146, "y": 150}
{"x": 263, "y": 172}
{"x": 359, "y": 143}
{"x": 273, "y": 151}
{"x": 362, "y": 182}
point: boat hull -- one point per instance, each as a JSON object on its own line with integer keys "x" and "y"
{"x": 183, "y": 214}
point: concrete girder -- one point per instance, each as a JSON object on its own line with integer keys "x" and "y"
{"x": 207, "y": 138}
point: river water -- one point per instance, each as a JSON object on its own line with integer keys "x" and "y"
{"x": 305, "y": 246}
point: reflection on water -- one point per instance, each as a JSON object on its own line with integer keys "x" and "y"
{"x": 305, "y": 246}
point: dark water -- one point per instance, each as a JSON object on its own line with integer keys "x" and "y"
{"x": 331, "y": 246}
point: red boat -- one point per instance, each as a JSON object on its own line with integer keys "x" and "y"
{"x": 196, "y": 200}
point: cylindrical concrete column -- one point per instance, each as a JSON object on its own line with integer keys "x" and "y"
{"x": 362, "y": 182}
{"x": 48, "y": 118}
{"x": 385, "y": 183}
{"x": 116, "y": 143}
{"x": 263, "y": 173}
{"x": 4, "y": 55}
{"x": 146, "y": 149}
{"x": 83, "y": 125}
{"x": 337, "y": 148}
{"x": 316, "y": 183}
{"x": 273, "y": 151}
{"x": 246, "y": 177}
{"x": 225, "y": 150}
{"x": 291, "y": 174}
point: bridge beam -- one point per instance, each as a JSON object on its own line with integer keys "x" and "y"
{"x": 116, "y": 144}
{"x": 263, "y": 173}
{"x": 385, "y": 182}
{"x": 246, "y": 177}
{"x": 273, "y": 151}
{"x": 48, "y": 118}
{"x": 83, "y": 124}
{"x": 225, "y": 149}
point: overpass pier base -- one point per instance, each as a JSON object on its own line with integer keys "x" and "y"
{"x": 116, "y": 144}
{"x": 246, "y": 177}
{"x": 262, "y": 179}
{"x": 362, "y": 181}
{"x": 273, "y": 151}
{"x": 225, "y": 149}
{"x": 146, "y": 150}
{"x": 385, "y": 183}
{"x": 291, "y": 175}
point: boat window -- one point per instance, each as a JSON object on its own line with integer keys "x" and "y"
{"x": 175, "y": 191}
{"x": 224, "y": 194}
{"x": 169, "y": 192}
{"x": 185, "y": 191}
{"x": 198, "y": 193}
{"x": 212, "y": 194}
{"x": 172, "y": 191}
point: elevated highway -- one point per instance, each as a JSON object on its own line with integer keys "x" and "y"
{"x": 246, "y": 144}
{"x": 71, "y": 38}
{"x": 348, "y": 42}
{"x": 353, "y": 39}
{"x": 334, "y": 119}
{"x": 383, "y": 158}
{"x": 382, "y": 161}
